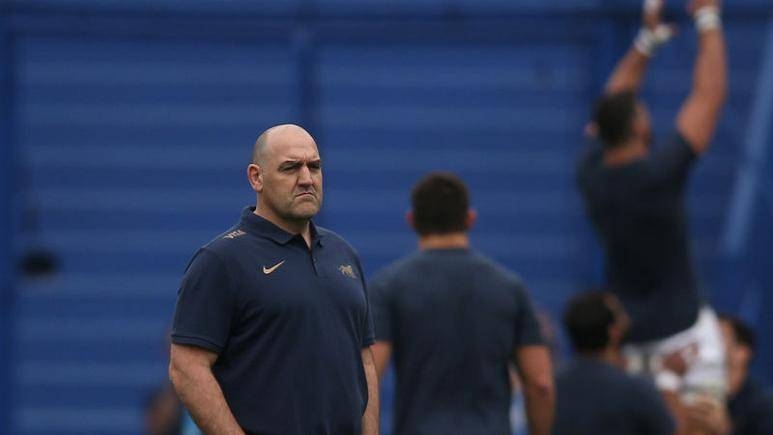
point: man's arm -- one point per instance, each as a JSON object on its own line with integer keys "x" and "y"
{"x": 382, "y": 352}
{"x": 709, "y": 416}
{"x": 536, "y": 373}
{"x": 699, "y": 114}
{"x": 629, "y": 72}
{"x": 190, "y": 369}
{"x": 370, "y": 419}
{"x": 674, "y": 404}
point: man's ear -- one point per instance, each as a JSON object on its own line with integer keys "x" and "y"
{"x": 744, "y": 354}
{"x": 255, "y": 177}
{"x": 615, "y": 332}
{"x": 472, "y": 216}
{"x": 409, "y": 219}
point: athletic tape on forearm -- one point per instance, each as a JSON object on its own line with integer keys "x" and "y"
{"x": 668, "y": 381}
{"x": 648, "y": 41}
{"x": 707, "y": 18}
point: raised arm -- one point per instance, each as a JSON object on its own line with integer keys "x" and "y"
{"x": 699, "y": 114}
{"x": 629, "y": 72}
{"x": 536, "y": 373}
{"x": 190, "y": 369}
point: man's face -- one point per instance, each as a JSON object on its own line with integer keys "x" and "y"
{"x": 291, "y": 176}
{"x": 739, "y": 356}
{"x": 622, "y": 322}
{"x": 731, "y": 345}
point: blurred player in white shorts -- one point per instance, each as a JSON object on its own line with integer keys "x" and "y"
{"x": 701, "y": 350}
{"x": 634, "y": 195}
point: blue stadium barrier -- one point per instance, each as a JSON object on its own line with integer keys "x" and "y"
{"x": 133, "y": 122}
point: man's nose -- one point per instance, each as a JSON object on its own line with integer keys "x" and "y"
{"x": 304, "y": 176}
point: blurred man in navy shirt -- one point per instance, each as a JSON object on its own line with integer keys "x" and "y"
{"x": 750, "y": 405}
{"x": 454, "y": 321}
{"x": 595, "y": 395}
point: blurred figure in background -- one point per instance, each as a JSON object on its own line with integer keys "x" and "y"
{"x": 454, "y": 320}
{"x": 272, "y": 330}
{"x": 595, "y": 396}
{"x": 163, "y": 412}
{"x": 751, "y": 407}
{"x": 634, "y": 196}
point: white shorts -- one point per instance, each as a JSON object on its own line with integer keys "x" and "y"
{"x": 702, "y": 349}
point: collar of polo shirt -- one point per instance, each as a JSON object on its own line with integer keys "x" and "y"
{"x": 264, "y": 228}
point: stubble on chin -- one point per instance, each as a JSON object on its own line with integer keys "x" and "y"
{"x": 306, "y": 209}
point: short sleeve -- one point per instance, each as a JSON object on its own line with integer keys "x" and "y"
{"x": 382, "y": 314}
{"x": 527, "y": 328}
{"x": 650, "y": 411}
{"x": 673, "y": 161}
{"x": 368, "y": 335}
{"x": 206, "y": 304}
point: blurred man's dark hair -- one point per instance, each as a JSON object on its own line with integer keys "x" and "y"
{"x": 743, "y": 333}
{"x": 587, "y": 319}
{"x": 614, "y": 116}
{"x": 440, "y": 204}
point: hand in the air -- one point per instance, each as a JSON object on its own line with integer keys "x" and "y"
{"x": 696, "y": 5}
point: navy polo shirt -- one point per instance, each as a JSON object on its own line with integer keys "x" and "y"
{"x": 288, "y": 324}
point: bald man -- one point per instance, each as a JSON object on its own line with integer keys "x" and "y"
{"x": 272, "y": 328}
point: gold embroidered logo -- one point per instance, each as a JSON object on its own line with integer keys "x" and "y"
{"x": 234, "y": 234}
{"x": 347, "y": 270}
{"x": 269, "y": 270}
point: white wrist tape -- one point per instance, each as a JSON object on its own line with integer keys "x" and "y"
{"x": 668, "y": 381}
{"x": 707, "y": 18}
{"x": 648, "y": 41}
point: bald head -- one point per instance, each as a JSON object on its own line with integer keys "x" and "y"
{"x": 286, "y": 175}
{"x": 282, "y": 133}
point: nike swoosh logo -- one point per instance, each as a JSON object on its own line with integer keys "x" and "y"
{"x": 269, "y": 270}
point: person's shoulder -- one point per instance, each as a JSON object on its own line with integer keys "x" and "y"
{"x": 676, "y": 139}
{"x": 638, "y": 385}
{"x": 672, "y": 147}
{"x": 219, "y": 251}
{"x": 496, "y": 270}
{"x": 587, "y": 367}
{"x": 401, "y": 267}
{"x": 227, "y": 242}
{"x": 579, "y": 374}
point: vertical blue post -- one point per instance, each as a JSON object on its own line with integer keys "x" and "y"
{"x": 7, "y": 222}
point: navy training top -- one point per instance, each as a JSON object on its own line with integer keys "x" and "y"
{"x": 454, "y": 319}
{"x": 288, "y": 324}
{"x": 596, "y": 398}
{"x": 751, "y": 410}
{"x": 638, "y": 213}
